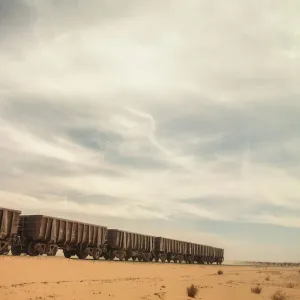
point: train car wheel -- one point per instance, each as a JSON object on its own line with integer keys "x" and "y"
{"x": 82, "y": 254}
{"x": 67, "y": 254}
{"x": 16, "y": 251}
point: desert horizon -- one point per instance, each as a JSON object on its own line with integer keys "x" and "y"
{"x": 226, "y": 262}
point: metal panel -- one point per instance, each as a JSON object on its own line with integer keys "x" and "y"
{"x": 60, "y": 231}
{"x": 123, "y": 240}
{"x": 170, "y": 246}
{"x": 9, "y": 223}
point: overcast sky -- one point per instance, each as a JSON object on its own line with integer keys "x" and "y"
{"x": 176, "y": 118}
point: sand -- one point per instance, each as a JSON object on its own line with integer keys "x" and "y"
{"x": 58, "y": 278}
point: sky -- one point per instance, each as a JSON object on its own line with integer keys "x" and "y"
{"x": 171, "y": 118}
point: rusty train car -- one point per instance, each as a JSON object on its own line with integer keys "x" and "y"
{"x": 128, "y": 245}
{"x": 39, "y": 235}
{"x": 9, "y": 223}
{"x": 35, "y": 235}
{"x": 169, "y": 250}
{"x": 181, "y": 251}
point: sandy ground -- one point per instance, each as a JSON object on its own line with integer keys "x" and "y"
{"x": 58, "y": 278}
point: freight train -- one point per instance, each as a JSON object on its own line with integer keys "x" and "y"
{"x": 35, "y": 235}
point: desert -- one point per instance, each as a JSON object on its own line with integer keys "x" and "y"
{"x": 37, "y": 278}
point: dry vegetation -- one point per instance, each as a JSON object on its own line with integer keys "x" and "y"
{"x": 192, "y": 291}
{"x": 267, "y": 278}
{"x": 256, "y": 290}
{"x": 290, "y": 285}
{"x": 278, "y": 295}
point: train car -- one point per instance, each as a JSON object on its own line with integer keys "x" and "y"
{"x": 128, "y": 245}
{"x": 171, "y": 250}
{"x": 9, "y": 223}
{"x": 39, "y": 234}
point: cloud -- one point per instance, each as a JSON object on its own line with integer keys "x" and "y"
{"x": 143, "y": 115}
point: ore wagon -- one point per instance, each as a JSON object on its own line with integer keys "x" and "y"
{"x": 170, "y": 250}
{"x": 128, "y": 245}
{"x": 39, "y": 234}
{"x": 9, "y": 222}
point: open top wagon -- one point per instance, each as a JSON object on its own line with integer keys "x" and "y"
{"x": 171, "y": 250}
{"x": 129, "y": 245}
{"x": 39, "y": 234}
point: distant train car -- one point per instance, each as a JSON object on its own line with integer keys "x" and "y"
{"x": 39, "y": 234}
{"x": 9, "y": 223}
{"x": 128, "y": 245}
{"x": 169, "y": 250}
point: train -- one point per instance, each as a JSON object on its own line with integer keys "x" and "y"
{"x": 35, "y": 235}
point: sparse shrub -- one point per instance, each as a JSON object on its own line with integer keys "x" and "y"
{"x": 220, "y": 272}
{"x": 192, "y": 291}
{"x": 256, "y": 290}
{"x": 267, "y": 278}
{"x": 290, "y": 285}
{"x": 278, "y": 295}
